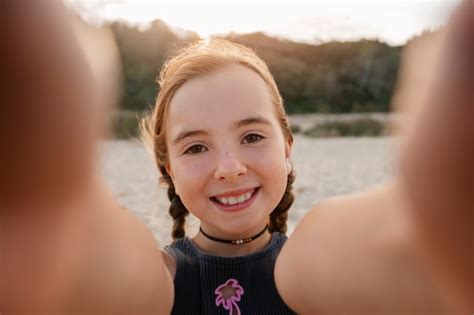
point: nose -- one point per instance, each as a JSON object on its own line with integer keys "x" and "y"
{"x": 229, "y": 167}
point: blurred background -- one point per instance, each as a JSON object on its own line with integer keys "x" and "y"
{"x": 335, "y": 62}
{"x": 326, "y": 56}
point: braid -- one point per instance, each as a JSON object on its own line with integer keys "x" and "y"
{"x": 177, "y": 210}
{"x": 279, "y": 216}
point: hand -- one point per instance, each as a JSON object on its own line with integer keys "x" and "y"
{"x": 436, "y": 152}
{"x": 66, "y": 247}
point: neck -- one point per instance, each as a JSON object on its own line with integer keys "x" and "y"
{"x": 229, "y": 250}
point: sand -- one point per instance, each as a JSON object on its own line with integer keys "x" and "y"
{"x": 324, "y": 168}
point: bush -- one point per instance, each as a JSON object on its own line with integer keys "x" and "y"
{"x": 362, "y": 127}
{"x": 125, "y": 124}
{"x": 295, "y": 129}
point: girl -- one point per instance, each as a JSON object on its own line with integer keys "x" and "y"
{"x": 221, "y": 143}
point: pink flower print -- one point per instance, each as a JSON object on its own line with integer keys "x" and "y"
{"x": 228, "y": 294}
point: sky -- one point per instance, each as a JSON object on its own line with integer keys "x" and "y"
{"x": 315, "y": 21}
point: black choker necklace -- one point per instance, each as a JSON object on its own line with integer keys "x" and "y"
{"x": 235, "y": 242}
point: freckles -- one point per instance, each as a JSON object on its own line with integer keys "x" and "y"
{"x": 206, "y": 163}
{"x": 199, "y": 168}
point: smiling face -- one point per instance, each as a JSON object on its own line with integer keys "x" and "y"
{"x": 227, "y": 152}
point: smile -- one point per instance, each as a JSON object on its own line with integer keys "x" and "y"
{"x": 235, "y": 200}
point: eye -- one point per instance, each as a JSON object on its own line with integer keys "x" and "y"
{"x": 250, "y": 138}
{"x": 195, "y": 149}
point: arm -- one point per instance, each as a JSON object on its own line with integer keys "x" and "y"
{"x": 66, "y": 247}
{"x": 437, "y": 159}
{"x": 406, "y": 247}
{"x": 358, "y": 254}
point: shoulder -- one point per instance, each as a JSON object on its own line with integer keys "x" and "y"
{"x": 179, "y": 256}
{"x": 347, "y": 248}
{"x": 170, "y": 262}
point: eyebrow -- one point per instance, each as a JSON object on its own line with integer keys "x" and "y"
{"x": 252, "y": 120}
{"x": 188, "y": 133}
{"x": 241, "y": 123}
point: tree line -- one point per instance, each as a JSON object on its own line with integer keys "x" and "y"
{"x": 334, "y": 77}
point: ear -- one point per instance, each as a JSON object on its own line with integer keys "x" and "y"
{"x": 288, "y": 148}
{"x": 169, "y": 170}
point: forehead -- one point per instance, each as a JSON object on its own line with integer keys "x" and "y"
{"x": 226, "y": 95}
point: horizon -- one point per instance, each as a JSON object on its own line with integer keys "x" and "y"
{"x": 392, "y": 22}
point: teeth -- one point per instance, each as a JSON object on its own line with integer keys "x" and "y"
{"x": 234, "y": 200}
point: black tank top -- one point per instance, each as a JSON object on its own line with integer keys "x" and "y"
{"x": 206, "y": 284}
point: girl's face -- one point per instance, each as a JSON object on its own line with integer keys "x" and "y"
{"x": 227, "y": 153}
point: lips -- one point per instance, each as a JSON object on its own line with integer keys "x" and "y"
{"x": 236, "y": 200}
{"x": 232, "y": 200}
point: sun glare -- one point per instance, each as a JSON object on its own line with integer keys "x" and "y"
{"x": 310, "y": 21}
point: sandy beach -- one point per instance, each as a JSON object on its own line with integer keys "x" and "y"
{"x": 324, "y": 168}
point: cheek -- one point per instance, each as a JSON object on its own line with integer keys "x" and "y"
{"x": 272, "y": 167}
{"x": 190, "y": 174}
{"x": 272, "y": 157}
{"x": 271, "y": 163}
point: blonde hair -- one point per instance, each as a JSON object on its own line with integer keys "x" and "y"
{"x": 196, "y": 60}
